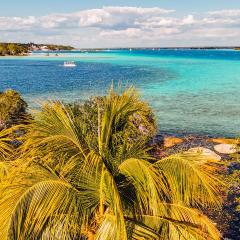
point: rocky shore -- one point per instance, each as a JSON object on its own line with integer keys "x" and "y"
{"x": 225, "y": 151}
{"x": 168, "y": 144}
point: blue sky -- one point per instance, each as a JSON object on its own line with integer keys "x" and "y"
{"x": 118, "y": 23}
{"x": 31, "y": 7}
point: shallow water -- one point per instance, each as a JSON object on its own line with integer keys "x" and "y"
{"x": 191, "y": 91}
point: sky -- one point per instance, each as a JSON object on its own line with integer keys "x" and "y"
{"x": 118, "y": 23}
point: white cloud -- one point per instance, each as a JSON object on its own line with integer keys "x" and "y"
{"x": 188, "y": 20}
{"x": 226, "y": 13}
{"x": 122, "y": 26}
{"x": 219, "y": 21}
{"x": 129, "y": 33}
{"x": 106, "y": 17}
{"x": 17, "y": 23}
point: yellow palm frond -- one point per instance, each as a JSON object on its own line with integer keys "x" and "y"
{"x": 35, "y": 203}
{"x": 192, "y": 179}
{"x": 5, "y": 144}
{"x": 151, "y": 189}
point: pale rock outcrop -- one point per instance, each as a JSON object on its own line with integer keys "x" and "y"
{"x": 209, "y": 154}
{"x": 226, "y": 148}
{"x": 171, "y": 141}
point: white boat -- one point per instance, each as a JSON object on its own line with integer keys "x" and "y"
{"x": 69, "y": 64}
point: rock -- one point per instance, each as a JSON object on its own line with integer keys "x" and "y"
{"x": 158, "y": 139}
{"x": 171, "y": 141}
{"x": 161, "y": 154}
{"x": 2, "y": 124}
{"x": 205, "y": 152}
{"x": 223, "y": 140}
{"x": 226, "y": 148}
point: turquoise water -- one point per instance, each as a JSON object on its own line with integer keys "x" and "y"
{"x": 191, "y": 91}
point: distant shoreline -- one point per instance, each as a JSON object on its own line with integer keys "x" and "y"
{"x": 159, "y": 48}
{"x": 54, "y": 53}
{"x": 19, "y": 49}
{"x": 50, "y": 56}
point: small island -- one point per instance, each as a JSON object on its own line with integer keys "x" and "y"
{"x": 22, "y": 49}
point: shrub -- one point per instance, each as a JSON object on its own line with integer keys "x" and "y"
{"x": 141, "y": 125}
{"x": 12, "y": 108}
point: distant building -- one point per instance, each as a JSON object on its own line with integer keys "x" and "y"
{"x": 44, "y": 48}
{"x": 34, "y": 47}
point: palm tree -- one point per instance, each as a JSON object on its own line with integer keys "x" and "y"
{"x": 6, "y": 151}
{"x": 76, "y": 181}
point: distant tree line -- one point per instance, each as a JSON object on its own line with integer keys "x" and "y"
{"x": 53, "y": 47}
{"x": 13, "y": 49}
{"x": 20, "y": 49}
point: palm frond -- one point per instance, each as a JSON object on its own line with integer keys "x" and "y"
{"x": 114, "y": 205}
{"x": 178, "y": 222}
{"x": 151, "y": 189}
{"x": 4, "y": 168}
{"x": 54, "y": 127}
{"x": 181, "y": 222}
{"x": 192, "y": 179}
{"x": 33, "y": 204}
{"x": 5, "y": 144}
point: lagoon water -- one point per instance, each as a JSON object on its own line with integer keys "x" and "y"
{"x": 191, "y": 91}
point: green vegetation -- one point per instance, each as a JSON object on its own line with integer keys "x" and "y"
{"x": 141, "y": 127}
{"x": 13, "y": 49}
{"x": 12, "y": 109}
{"x": 20, "y": 49}
{"x": 53, "y": 47}
{"x": 86, "y": 172}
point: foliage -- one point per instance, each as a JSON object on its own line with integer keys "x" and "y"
{"x": 13, "y": 49}
{"x": 74, "y": 183}
{"x": 5, "y": 146}
{"x": 141, "y": 126}
{"x": 54, "y": 47}
{"x": 24, "y": 48}
{"x": 12, "y": 108}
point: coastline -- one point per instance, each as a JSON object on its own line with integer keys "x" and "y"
{"x": 173, "y": 143}
{"x": 96, "y": 50}
{"x": 166, "y": 145}
{"x": 41, "y": 56}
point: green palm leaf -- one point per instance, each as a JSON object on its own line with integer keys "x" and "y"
{"x": 192, "y": 179}
{"x": 5, "y": 146}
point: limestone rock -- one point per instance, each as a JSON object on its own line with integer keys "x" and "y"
{"x": 223, "y": 140}
{"x": 171, "y": 141}
{"x": 205, "y": 152}
{"x": 226, "y": 148}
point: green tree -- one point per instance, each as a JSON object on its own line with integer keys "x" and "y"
{"x": 73, "y": 183}
{"x": 12, "y": 49}
{"x": 3, "y": 50}
{"x": 141, "y": 127}
{"x": 12, "y": 108}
